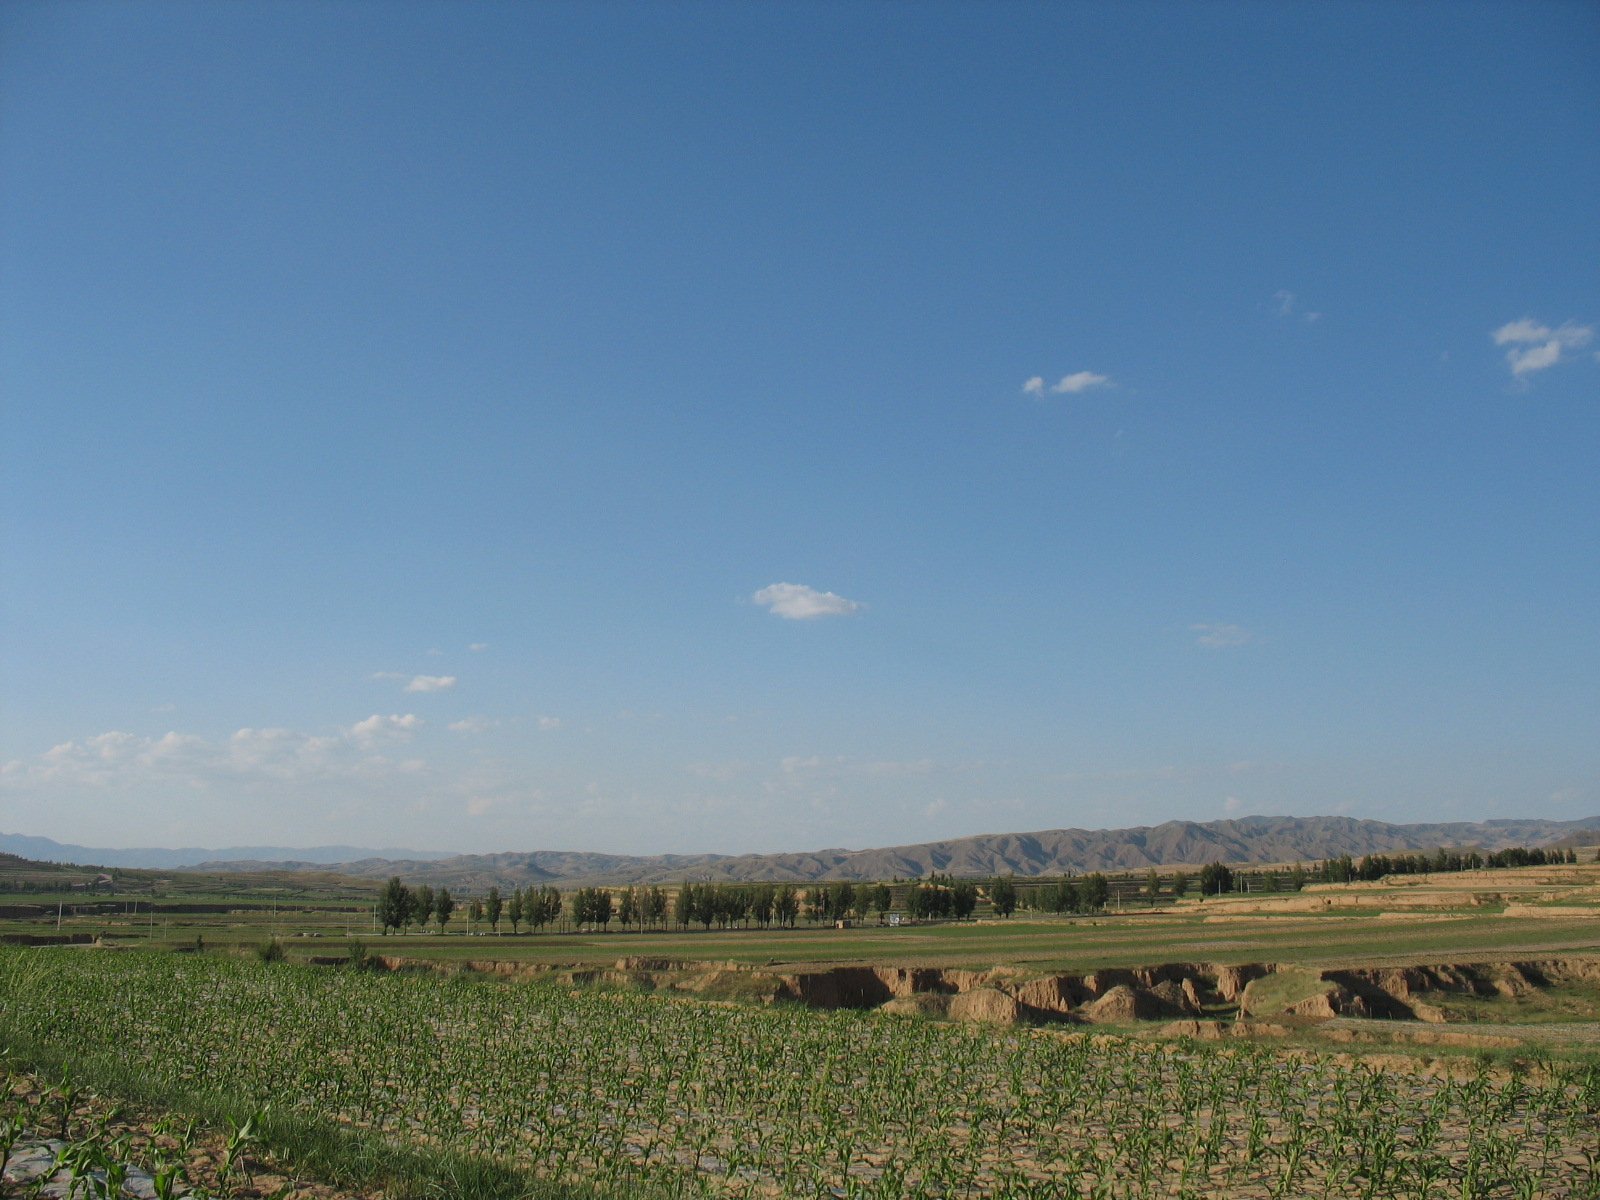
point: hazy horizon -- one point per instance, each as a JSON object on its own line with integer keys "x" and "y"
{"x": 703, "y": 428}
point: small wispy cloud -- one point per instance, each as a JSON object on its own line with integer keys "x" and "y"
{"x": 721, "y": 772}
{"x": 377, "y": 725}
{"x": 249, "y": 757}
{"x": 478, "y": 647}
{"x": 794, "y": 763}
{"x": 473, "y": 725}
{"x": 797, "y": 602}
{"x": 1217, "y": 636}
{"x": 550, "y": 722}
{"x": 1534, "y": 346}
{"x": 814, "y": 764}
{"x": 1080, "y": 381}
{"x": 418, "y": 683}
{"x": 1286, "y": 304}
{"x": 1067, "y": 385}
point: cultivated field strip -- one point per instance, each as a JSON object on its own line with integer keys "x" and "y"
{"x": 714, "y": 1100}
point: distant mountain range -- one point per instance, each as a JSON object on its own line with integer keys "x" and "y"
{"x": 1052, "y": 852}
{"x": 42, "y": 849}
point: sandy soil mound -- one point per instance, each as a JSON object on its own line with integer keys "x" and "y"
{"x": 922, "y": 1004}
{"x": 989, "y": 1005}
{"x": 1125, "y": 1003}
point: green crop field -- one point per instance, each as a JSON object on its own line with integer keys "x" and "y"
{"x": 632, "y": 1091}
{"x": 1050, "y": 943}
{"x": 1406, "y": 922}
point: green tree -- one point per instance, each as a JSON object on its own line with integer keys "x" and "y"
{"x": 601, "y": 909}
{"x": 705, "y": 905}
{"x": 628, "y": 907}
{"x": 684, "y": 906}
{"x": 514, "y": 909}
{"x": 1093, "y": 892}
{"x": 394, "y": 902}
{"x": 1216, "y": 878}
{"x": 1180, "y": 883}
{"x": 882, "y": 899}
{"x": 762, "y": 898}
{"x": 655, "y": 906}
{"x": 443, "y": 906}
{"x": 474, "y": 912}
{"x": 1003, "y": 896}
{"x": 492, "y": 908}
{"x": 541, "y": 906}
{"x": 786, "y": 906}
{"x": 1152, "y": 884}
{"x": 963, "y": 898}
{"x": 422, "y": 910}
{"x": 919, "y": 901}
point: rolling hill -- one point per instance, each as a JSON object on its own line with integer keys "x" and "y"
{"x": 1051, "y": 852}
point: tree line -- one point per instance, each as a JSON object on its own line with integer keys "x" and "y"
{"x": 1376, "y": 866}
{"x": 772, "y": 905}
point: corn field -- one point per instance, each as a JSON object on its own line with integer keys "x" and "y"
{"x": 696, "y": 1099}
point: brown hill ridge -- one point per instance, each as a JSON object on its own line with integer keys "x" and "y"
{"x": 1051, "y": 852}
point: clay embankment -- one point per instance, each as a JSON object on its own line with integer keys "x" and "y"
{"x": 1001, "y": 994}
{"x": 1412, "y": 993}
{"x": 1193, "y": 998}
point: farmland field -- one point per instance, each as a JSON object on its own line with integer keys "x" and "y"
{"x": 1532, "y": 912}
{"x": 638, "y": 1091}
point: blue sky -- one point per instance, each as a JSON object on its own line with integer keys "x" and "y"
{"x": 735, "y": 427}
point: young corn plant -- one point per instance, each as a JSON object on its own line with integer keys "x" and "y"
{"x": 241, "y": 1138}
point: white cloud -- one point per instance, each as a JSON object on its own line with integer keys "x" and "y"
{"x": 472, "y": 725}
{"x": 1534, "y": 358}
{"x": 1535, "y": 346}
{"x": 549, "y": 722}
{"x": 247, "y": 757}
{"x": 1232, "y": 805}
{"x": 378, "y": 725}
{"x": 1080, "y": 381}
{"x": 797, "y": 602}
{"x": 418, "y": 683}
{"x": 1285, "y": 302}
{"x": 1215, "y": 636}
{"x": 478, "y": 647}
